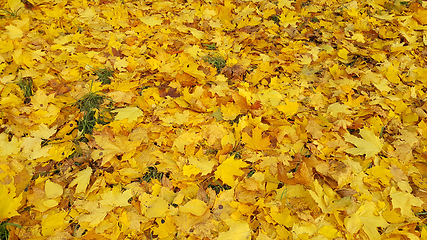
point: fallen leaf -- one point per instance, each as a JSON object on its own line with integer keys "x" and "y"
{"x": 256, "y": 142}
{"x": 369, "y": 145}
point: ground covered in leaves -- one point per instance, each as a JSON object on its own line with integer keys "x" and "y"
{"x": 213, "y": 119}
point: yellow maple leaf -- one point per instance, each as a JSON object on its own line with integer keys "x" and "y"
{"x": 9, "y": 147}
{"x": 96, "y": 214}
{"x": 330, "y": 232}
{"x": 380, "y": 173}
{"x": 289, "y": 18}
{"x": 404, "y": 201}
{"x": 55, "y": 12}
{"x": 353, "y": 223}
{"x": 116, "y": 198}
{"x": 230, "y": 111}
{"x": 189, "y": 170}
{"x": 15, "y": 5}
{"x": 370, "y": 220}
{"x": 151, "y": 20}
{"x": 9, "y": 202}
{"x": 185, "y": 139}
{"x": 285, "y": 3}
{"x": 343, "y": 53}
{"x": 197, "y": 33}
{"x": 121, "y": 64}
{"x": 358, "y": 37}
{"x": 111, "y": 148}
{"x": 82, "y": 180}
{"x": 59, "y": 152}
{"x": 153, "y": 207}
{"x": 195, "y": 206}
{"x": 420, "y": 13}
{"x": 130, "y": 113}
{"x": 6, "y": 46}
{"x": 290, "y": 109}
{"x": 239, "y": 230}
{"x": 14, "y": 32}
{"x": 204, "y": 164}
{"x": 392, "y": 216}
{"x": 336, "y": 108}
{"x": 53, "y": 221}
{"x": 283, "y": 217}
{"x": 228, "y": 169}
{"x": 335, "y": 71}
{"x": 165, "y": 227}
{"x": 392, "y": 74}
{"x": 369, "y": 145}
{"x": 256, "y": 142}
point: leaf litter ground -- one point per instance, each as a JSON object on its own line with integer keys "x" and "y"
{"x": 213, "y": 120}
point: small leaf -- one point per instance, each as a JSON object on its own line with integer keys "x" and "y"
{"x": 53, "y": 190}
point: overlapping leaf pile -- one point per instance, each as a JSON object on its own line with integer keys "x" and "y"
{"x": 213, "y": 120}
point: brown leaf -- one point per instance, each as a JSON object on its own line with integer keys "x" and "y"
{"x": 166, "y": 182}
{"x": 60, "y": 88}
{"x": 250, "y": 29}
{"x": 202, "y": 195}
{"x": 346, "y": 192}
{"x": 236, "y": 72}
{"x": 292, "y": 31}
{"x": 117, "y": 53}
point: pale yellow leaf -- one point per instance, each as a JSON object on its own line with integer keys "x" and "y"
{"x": 151, "y": 20}
{"x": 195, "y": 206}
{"x": 404, "y": 201}
{"x": 53, "y": 190}
{"x": 239, "y": 230}
{"x": 369, "y": 144}
{"x": 82, "y": 180}
{"x": 130, "y": 113}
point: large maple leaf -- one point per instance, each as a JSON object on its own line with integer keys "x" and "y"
{"x": 230, "y": 168}
{"x": 10, "y": 202}
{"x": 256, "y": 142}
{"x": 369, "y": 145}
